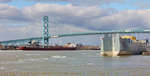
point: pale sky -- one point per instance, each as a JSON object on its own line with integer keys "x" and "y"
{"x": 22, "y": 18}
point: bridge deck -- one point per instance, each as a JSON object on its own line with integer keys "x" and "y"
{"x": 77, "y": 34}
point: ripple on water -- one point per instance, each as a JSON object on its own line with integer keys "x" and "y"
{"x": 32, "y": 54}
{"x": 2, "y": 68}
{"x": 60, "y": 57}
{"x": 79, "y": 63}
{"x": 35, "y": 59}
{"x": 90, "y": 63}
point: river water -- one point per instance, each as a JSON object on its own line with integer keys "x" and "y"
{"x": 71, "y": 63}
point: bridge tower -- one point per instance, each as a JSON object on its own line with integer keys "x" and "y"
{"x": 45, "y": 38}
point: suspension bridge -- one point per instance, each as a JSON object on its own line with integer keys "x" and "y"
{"x": 46, "y": 35}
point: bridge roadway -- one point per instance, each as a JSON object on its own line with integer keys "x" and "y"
{"x": 26, "y": 40}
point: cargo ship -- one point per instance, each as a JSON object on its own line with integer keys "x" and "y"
{"x": 115, "y": 45}
{"x": 67, "y": 46}
{"x": 47, "y": 48}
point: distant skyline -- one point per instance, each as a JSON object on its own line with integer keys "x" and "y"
{"x": 22, "y": 18}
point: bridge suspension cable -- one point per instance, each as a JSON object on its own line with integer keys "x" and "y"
{"x": 46, "y": 35}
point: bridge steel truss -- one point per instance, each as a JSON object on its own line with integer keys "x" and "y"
{"x": 45, "y": 39}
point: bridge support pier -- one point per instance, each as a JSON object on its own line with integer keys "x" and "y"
{"x": 110, "y": 45}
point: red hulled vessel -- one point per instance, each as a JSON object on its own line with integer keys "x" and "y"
{"x": 47, "y": 48}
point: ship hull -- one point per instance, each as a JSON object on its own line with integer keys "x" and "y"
{"x": 130, "y": 52}
{"x": 120, "y": 53}
{"x": 46, "y": 49}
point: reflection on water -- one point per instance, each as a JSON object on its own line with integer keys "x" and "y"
{"x": 71, "y": 63}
